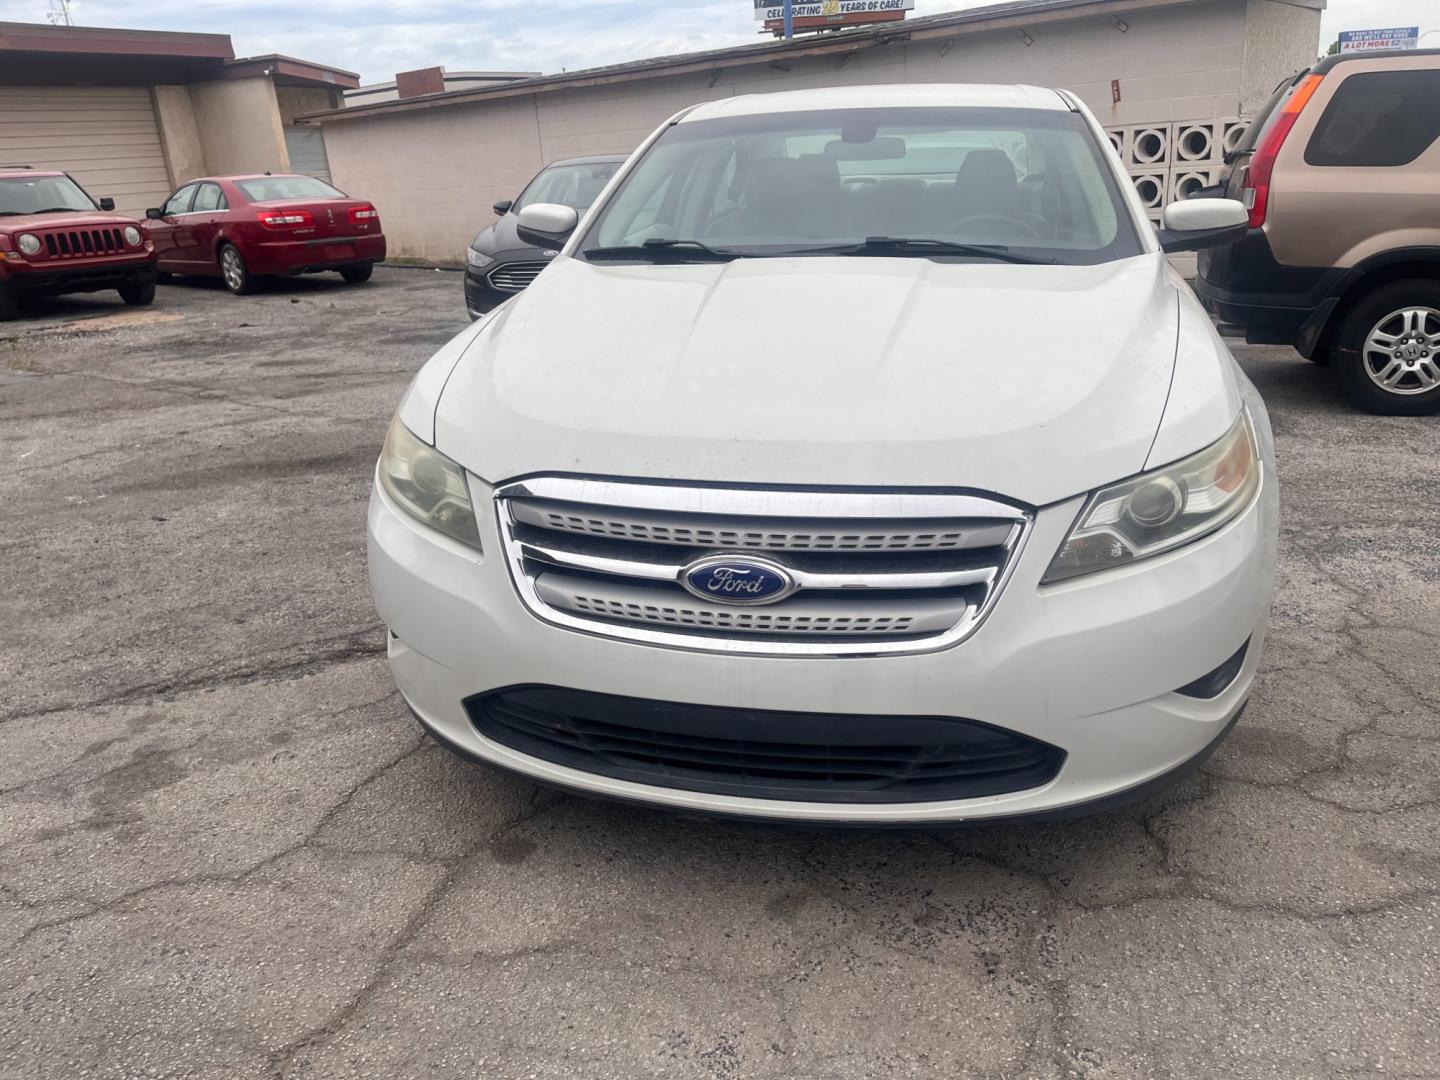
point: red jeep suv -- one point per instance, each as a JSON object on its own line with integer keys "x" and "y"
{"x": 54, "y": 238}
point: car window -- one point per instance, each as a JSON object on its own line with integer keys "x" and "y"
{"x": 179, "y": 203}
{"x": 266, "y": 188}
{"x": 575, "y": 186}
{"x": 210, "y": 198}
{"x": 1378, "y": 118}
{"x": 1029, "y": 179}
{"x": 28, "y": 194}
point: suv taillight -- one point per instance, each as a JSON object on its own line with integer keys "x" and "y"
{"x": 282, "y": 219}
{"x": 1262, "y": 162}
{"x": 364, "y": 213}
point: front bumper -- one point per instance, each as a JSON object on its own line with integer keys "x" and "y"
{"x": 1089, "y": 666}
{"x": 51, "y": 279}
{"x": 481, "y": 297}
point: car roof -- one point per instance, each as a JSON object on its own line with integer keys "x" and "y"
{"x": 1331, "y": 62}
{"x": 908, "y": 96}
{"x": 13, "y": 171}
{"x": 593, "y": 159}
{"x": 254, "y": 176}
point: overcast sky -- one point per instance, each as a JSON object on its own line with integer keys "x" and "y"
{"x": 380, "y": 37}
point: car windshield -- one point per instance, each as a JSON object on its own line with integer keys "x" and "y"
{"x": 30, "y": 195}
{"x": 1029, "y": 181}
{"x": 266, "y": 188}
{"x": 575, "y": 186}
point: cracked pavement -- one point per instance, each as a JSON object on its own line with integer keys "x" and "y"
{"x": 226, "y": 851}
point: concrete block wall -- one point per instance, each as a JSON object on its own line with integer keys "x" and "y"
{"x": 1183, "y": 70}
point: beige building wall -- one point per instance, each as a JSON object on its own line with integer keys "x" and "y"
{"x": 239, "y": 125}
{"x": 179, "y": 136}
{"x": 434, "y": 172}
{"x": 1280, "y": 37}
{"x": 296, "y": 101}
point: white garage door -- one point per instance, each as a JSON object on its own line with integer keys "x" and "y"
{"x": 106, "y": 137}
{"x": 307, "y": 151}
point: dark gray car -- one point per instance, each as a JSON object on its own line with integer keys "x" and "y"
{"x": 499, "y": 264}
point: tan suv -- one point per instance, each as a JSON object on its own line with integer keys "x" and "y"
{"x": 1341, "y": 173}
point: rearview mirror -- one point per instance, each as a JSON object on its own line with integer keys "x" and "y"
{"x": 1202, "y": 223}
{"x": 502, "y": 207}
{"x": 154, "y": 213}
{"x": 883, "y": 148}
{"x": 546, "y": 224}
{"x": 107, "y": 203}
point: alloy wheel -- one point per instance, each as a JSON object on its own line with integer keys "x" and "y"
{"x": 233, "y": 268}
{"x": 1402, "y": 351}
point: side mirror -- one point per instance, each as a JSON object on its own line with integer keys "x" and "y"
{"x": 1202, "y": 223}
{"x": 546, "y": 224}
{"x": 107, "y": 203}
{"x": 502, "y": 207}
{"x": 154, "y": 213}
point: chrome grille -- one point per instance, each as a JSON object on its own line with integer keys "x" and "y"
{"x": 513, "y": 277}
{"x": 877, "y": 572}
{"x": 78, "y": 243}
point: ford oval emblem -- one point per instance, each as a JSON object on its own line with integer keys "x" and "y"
{"x": 550, "y": 254}
{"x": 728, "y": 579}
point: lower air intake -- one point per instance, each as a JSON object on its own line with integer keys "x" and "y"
{"x": 803, "y": 757}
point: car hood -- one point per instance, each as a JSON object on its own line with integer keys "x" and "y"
{"x": 1033, "y": 382}
{"x": 501, "y": 237}
{"x": 68, "y": 220}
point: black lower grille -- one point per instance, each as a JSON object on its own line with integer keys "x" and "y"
{"x": 805, "y": 757}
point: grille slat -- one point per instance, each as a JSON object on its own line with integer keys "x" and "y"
{"x": 892, "y": 572}
{"x": 514, "y": 277}
{"x": 761, "y": 754}
{"x": 78, "y": 243}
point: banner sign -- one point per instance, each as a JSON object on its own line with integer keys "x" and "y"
{"x": 769, "y": 10}
{"x": 1395, "y": 37}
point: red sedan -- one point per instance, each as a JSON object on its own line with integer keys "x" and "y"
{"x": 241, "y": 228}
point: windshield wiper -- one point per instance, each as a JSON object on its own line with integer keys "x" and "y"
{"x": 670, "y": 250}
{"x": 902, "y": 246}
{"x": 56, "y": 210}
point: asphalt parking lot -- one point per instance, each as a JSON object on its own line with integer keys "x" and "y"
{"x": 227, "y": 851}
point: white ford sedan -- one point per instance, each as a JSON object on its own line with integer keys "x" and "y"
{"x": 859, "y": 459}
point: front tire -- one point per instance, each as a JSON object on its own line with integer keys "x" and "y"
{"x": 138, "y": 295}
{"x": 1387, "y": 353}
{"x": 357, "y": 275}
{"x": 234, "y": 271}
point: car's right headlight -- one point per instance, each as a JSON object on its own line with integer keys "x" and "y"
{"x": 478, "y": 259}
{"x": 427, "y": 485}
{"x": 29, "y": 244}
{"x": 1163, "y": 509}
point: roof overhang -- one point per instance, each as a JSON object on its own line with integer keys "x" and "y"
{"x": 288, "y": 71}
{"x": 81, "y": 55}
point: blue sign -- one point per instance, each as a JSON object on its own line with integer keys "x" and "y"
{"x": 1394, "y": 37}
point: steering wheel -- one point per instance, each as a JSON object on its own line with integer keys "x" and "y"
{"x": 1005, "y": 221}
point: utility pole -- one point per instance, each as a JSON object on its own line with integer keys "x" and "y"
{"x": 789, "y": 18}
{"x": 59, "y": 13}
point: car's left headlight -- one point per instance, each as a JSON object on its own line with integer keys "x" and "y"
{"x": 478, "y": 259}
{"x": 427, "y": 485}
{"x": 132, "y": 236}
{"x": 1161, "y": 510}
